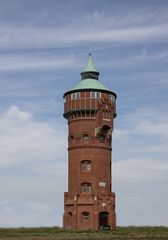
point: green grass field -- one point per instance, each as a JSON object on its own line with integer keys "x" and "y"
{"x": 55, "y": 233}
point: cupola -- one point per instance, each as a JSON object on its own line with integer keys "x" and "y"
{"x": 90, "y": 70}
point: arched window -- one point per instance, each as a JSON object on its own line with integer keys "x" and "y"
{"x": 85, "y": 138}
{"x": 105, "y": 130}
{"x": 86, "y": 187}
{"x": 86, "y": 165}
{"x": 85, "y": 216}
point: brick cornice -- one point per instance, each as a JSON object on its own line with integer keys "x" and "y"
{"x": 91, "y": 146}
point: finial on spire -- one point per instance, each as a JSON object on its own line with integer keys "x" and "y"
{"x": 90, "y": 54}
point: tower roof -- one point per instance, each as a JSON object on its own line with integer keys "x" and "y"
{"x": 89, "y": 79}
{"x": 90, "y": 83}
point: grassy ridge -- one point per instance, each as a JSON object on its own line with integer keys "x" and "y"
{"x": 55, "y": 233}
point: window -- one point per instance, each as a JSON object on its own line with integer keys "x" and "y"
{"x": 75, "y": 95}
{"x": 71, "y": 139}
{"x": 95, "y": 95}
{"x": 86, "y": 165}
{"x": 85, "y": 216}
{"x": 112, "y": 98}
{"x": 86, "y": 187}
{"x": 101, "y": 138}
{"x": 85, "y": 138}
{"x": 92, "y": 94}
{"x": 107, "y": 114}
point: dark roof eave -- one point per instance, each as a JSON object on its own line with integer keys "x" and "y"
{"x": 89, "y": 89}
{"x": 90, "y": 72}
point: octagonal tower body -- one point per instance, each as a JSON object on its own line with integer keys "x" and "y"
{"x": 90, "y": 109}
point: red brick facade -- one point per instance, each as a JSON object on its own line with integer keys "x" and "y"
{"x": 89, "y": 202}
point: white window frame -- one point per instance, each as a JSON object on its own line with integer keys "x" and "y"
{"x": 85, "y": 216}
{"x": 111, "y": 97}
{"x": 75, "y": 95}
{"x": 95, "y": 95}
{"x": 86, "y": 187}
{"x": 86, "y": 165}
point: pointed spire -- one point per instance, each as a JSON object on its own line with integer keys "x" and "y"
{"x": 90, "y": 67}
{"x": 90, "y": 70}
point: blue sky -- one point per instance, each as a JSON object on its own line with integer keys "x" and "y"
{"x": 44, "y": 45}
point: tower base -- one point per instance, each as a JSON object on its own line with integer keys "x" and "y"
{"x": 87, "y": 211}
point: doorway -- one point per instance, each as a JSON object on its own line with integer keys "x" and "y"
{"x": 103, "y": 221}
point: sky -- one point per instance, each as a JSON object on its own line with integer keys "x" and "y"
{"x": 44, "y": 45}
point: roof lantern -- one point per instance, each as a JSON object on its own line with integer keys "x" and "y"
{"x": 90, "y": 70}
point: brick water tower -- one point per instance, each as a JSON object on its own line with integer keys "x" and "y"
{"x": 90, "y": 109}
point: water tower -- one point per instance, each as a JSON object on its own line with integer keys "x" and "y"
{"x": 90, "y": 109}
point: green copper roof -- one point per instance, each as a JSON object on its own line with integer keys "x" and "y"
{"x": 90, "y": 67}
{"x": 89, "y": 79}
{"x": 89, "y": 84}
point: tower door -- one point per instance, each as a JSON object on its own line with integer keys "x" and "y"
{"x": 103, "y": 220}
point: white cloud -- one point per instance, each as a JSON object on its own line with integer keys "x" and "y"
{"x": 48, "y": 61}
{"x": 140, "y": 167}
{"x": 29, "y": 38}
{"x": 17, "y": 213}
{"x": 24, "y": 140}
{"x": 141, "y": 170}
{"x": 140, "y": 185}
{"x": 120, "y": 135}
{"x": 148, "y": 127}
{"x": 14, "y": 114}
{"x": 33, "y": 166}
{"x": 144, "y": 25}
{"x": 143, "y": 132}
{"x": 20, "y": 62}
{"x": 143, "y": 58}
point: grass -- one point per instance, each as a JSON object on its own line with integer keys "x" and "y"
{"x": 55, "y": 233}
